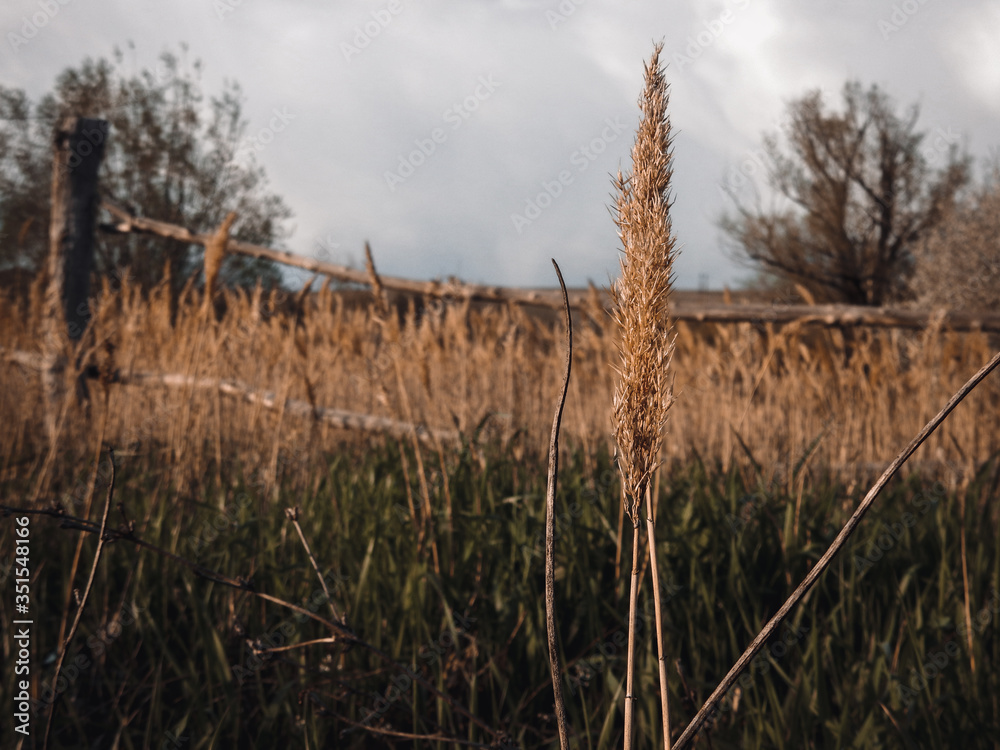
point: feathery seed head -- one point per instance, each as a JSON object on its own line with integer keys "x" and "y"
{"x": 641, "y": 294}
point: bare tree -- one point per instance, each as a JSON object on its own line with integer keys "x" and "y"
{"x": 857, "y": 194}
{"x": 958, "y": 263}
{"x": 170, "y": 155}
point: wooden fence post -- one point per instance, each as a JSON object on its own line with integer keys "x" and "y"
{"x": 78, "y": 149}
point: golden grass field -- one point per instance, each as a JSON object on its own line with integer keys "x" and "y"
{"x": 790, "y": 422}
{"x": 843, "y": 401}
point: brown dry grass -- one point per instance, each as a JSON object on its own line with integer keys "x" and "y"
{"x": 215, "y": 253}
{"x": 776, "y": 391}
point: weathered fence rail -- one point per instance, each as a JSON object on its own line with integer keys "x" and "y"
{"x": 337, "y": 418}
{"x": 842, "y": 316}
{"x": 820, "y": 315}
{"x": 475, "y": 292}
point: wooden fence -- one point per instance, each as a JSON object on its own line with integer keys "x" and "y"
{"x": 79, "y": 147}
{"x": 823, "y": 315}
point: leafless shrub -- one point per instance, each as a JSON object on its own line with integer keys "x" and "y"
{"x": 958, "y": 264}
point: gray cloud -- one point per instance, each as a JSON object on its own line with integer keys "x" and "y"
{"x": 397, "y": 88}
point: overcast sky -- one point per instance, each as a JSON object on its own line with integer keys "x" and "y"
{"x": 477, "y": 139}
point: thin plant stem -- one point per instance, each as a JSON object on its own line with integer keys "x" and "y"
{"x": 418, "y": 520}
{"x": 661, "y": 658}
{"x": 618, "y": 551}
{"x": 965, "y": 578}
{"x": 824, "y": 562}
{"x": 293, "y": 515}
{"x": 64, "y": 646}
{"x": 421, "y": 473}
{"x": 89, "y": 502}
{"x": 633, "y": 601}
{"x": 550, "y": 533}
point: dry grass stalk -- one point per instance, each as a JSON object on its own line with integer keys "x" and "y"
{"x": 550, "y": 533}
{"x": 641, "y": 299}
{"x": 421, "y": 471}
{"x": 64, "y": 646}
{"x": 292, "y": 514}
{"x": 378, "y": 291}
{"x": 658, "y": 611}
{"x": 215, "y": 253}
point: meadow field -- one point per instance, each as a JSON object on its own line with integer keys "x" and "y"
{"x": 412, "y": 547}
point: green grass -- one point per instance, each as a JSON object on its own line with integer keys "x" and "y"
{"x": 877, "y": 655}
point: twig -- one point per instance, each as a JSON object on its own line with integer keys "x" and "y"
{"x": 824, "y": 562}
{"x": 83, "y": 600}
{"x": 550, "y": 532}
{"x": 410, "y": 736}
{"x": 293, "y": 515}
{"x": 301, "y": 644}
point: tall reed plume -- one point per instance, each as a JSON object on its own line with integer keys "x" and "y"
{"x": 642, "y": 292}
{"x": 641, "y": 299}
